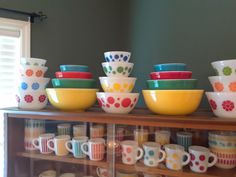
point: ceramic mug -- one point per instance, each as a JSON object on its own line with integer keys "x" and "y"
{"x": 131, "y": 152}
{"x": 175, "y": 155}
{"x": 152, "y": 153}
{"x": 162, "y": 137}
{"x": 200, "y": 159}
{"x": 126, "y": 174}
{"x": 41, "y": 143}
{"x": 76, "y": 146}
{"x": 48, "y": 173}
{"x": 94, "y": 148}
{"x": 96, "y": 131}
{"x": 58, "y": 143}
{"x": 141, "y": 136}
{"x": 102, "y": 172}
{"x": 184, "y": 139}
{"x": 80, "y": 130}
{"x": 63, "y": 129}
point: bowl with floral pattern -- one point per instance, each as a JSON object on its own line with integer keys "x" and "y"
{"x": 118, "y": 103}
{"x": 117, "y": 68}
{"x": 32, "y": 83}
{"x": 117, "y": 84}
{"x": 32, "y": 71}
{"x": 225, "y": 67}
{"x": 223, "y": 104}
{"x": 223, "y": 83}
{"x": 33, "y": 61}
{"x": 112, "y": 56}
{"x": 31, "y": 100}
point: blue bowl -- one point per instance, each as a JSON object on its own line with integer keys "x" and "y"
{"x": 80, "y": 68}
{"x": 170, "y": 67}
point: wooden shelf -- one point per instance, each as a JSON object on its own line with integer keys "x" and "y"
{"x": 199, "y": 120}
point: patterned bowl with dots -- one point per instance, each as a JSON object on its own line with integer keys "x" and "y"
{"x": 31, "y": 100}
{"x": 223, "y": 104}
{"x": 112, "y": 56}
{"x": 117, "y": 84}
{"x": 33, "y": 61}
{"x": 223, "y": 83}
{"x": 117, "y": 68}
{"x": 33, "y": 83}
{"x": 118, "y": 103}
{"x": 32, "y": 71}
{"x": 225, "y": 67}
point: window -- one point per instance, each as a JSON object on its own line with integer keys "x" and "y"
{"x": 14, "y": 43}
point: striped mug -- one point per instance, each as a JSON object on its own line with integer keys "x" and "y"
{"x": 41, "y": 143}
{"x": 76, "y": 146}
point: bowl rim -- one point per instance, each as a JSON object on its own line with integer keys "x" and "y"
{"x": 116, "y": 93}
{"x": 222, "y": 77}
{"x": 84, "y": 66}
{"x": 170, "y": 80}
{"x": 72, "y": 72}
{"x": 180, "y": 91}
{"x": 73, "y": 79}
{"x": 117, "y": 78}
{"x": 32, "y": 58}
{"x": 73, "y": 89}
{"x": 114, "y": 51}
{"x": 33, "y": 67}
{"x": 222, "y": 61}
{"x": 117, "y": 62}
{"x": 168, "y": 64}
{"x": 33, "y": 78}
{"x": 160, "y": 72}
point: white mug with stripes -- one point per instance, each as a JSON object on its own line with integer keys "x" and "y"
{"x": 94, "y": 148}
{"x": 75, "y": 145}
{"x": 41, "y": 143}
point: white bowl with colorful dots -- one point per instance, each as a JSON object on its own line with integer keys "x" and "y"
{"x": 112, "y": 56}
{"x": 117, "y": 84}
{"x": 225, "y": 67}
{"x": 33, "y": 83}
{"x": 33, "y": 61}
{"x": 33, "y": 71}
{"x": 118, "y": 103}
{"x": 223, "y": 83}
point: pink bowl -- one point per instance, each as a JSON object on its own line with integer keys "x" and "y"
{"x": 171, "y": 75}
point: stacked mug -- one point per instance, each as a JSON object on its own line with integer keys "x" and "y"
{"x": 117, "y": 86}
{"x": 31, "y": 93}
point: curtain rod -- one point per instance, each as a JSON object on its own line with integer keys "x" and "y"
{"x": 31, "y": 16}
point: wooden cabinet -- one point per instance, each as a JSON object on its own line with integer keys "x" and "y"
{"x": 21, "y": 163}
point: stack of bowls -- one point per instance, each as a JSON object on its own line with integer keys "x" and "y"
{"x": 223, "y": 99}
{"x": 171, "y": 91}
{"x": 117, "y": 86}
{"x": 31, "y": 93}
{"x": 74, "y": 88}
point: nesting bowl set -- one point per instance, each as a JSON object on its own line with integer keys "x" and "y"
{"x": 171, "y": 91}
{"x": 31, "y": 94}
{"x": 223, "y": 99}
{"x": 117, "y": 86}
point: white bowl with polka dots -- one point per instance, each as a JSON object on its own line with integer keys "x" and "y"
{"x": 33, "y": 61}
{"x": 33, "y": 83}
{"x": 112, "y": 56}
{"x": 32, "y": 71}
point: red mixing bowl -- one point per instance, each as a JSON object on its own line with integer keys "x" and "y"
{"x": 80, "y": 75}
{"x": 171, "y": 75}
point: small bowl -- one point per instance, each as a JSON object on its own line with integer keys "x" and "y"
{"x": 117, "y": 68}
{"x": 225, "y": 67}
{"x": 73, "y": 83}
{"x": 33, "y": 61}
{"x": 112, "y": 56}
{"x": 72, "y": 99}
{"x": 31, "y": 100}
{"x": 223, "y": 104}
{"x": 32, "y": 71}
{"x": 33, "y": 83}
{"x": 171, "y": 75}
{"x": 223, "y": 83}
{"x": 78, "y": 75}
{"x": 119, "y": 103}
{"x": 80, "y": 68}
{"x": 117, "y": 84}
{"x": 172, "y": 102}
{"x": 170, "y": 67}
{"x": 172, "y": 84}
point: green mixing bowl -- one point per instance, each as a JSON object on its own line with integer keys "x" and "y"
{"x": 73, "y": 83}
{"x": 172, "y": 84}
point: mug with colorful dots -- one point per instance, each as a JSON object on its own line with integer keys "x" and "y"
{"x": 200, "y": 159}
{"x": 153, "y": 154}
{"x": 175, "y": 156}
{"x": 131, "y": 152}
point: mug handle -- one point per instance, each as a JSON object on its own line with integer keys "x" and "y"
{"x": 49, "y": 144}
{"x": 98, "y": 172}
{"x": 83, "y": 148}
{"x": 140, "y": 150}
{"x": 214, "y": 160}
{"x": 67, "y": 146}
{"x": 35, "y": 141}
{"x": 163, "y": 156}
{"x": 188, "y": 158}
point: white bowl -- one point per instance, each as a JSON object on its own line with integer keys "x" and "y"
{"x": 34, "y": 100}
{"x": 223, "y": 83}
{"x": 112, "y": 56}
{"x": 225, "y": 67}
{"x": 117, "y": 68}
{"x": 32, "y": 83}
{"x": 119, "y": 103}
{"x": 33, "y": 61}
{"x": 32, "y": 71}
{"x": 223, "y": 104}
{"x": 117, "y": 84}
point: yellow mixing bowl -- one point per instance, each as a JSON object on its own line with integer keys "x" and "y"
{"x": 72, "y": 99}
{"x": 172, "y": 102}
